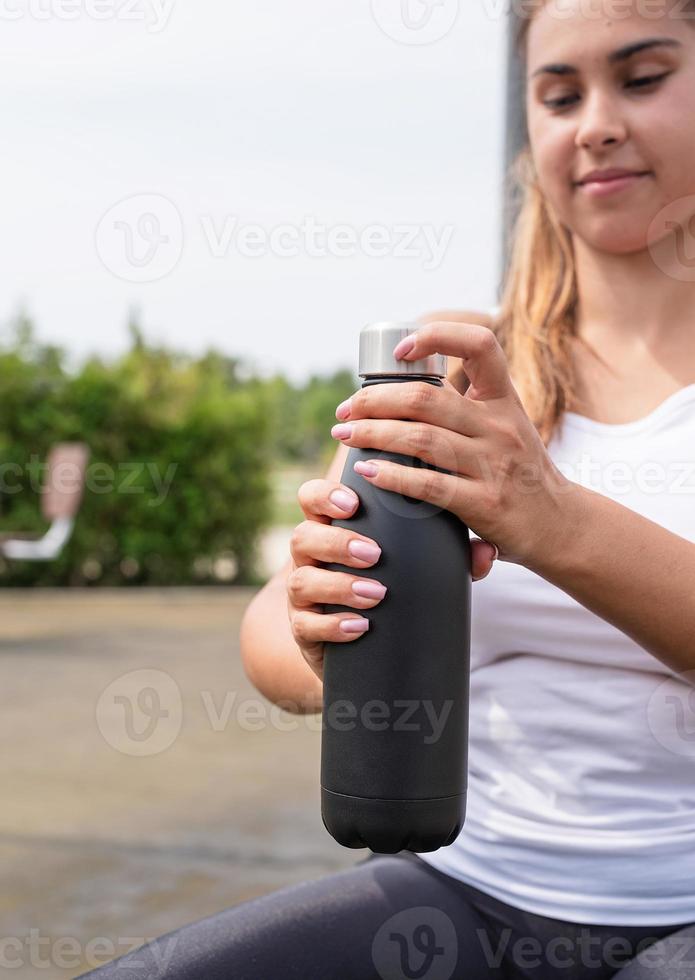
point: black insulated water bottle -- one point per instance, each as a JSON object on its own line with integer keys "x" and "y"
{"x": 394, "y": 740}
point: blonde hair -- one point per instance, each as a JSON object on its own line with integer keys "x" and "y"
{"x": 536, "y": 322}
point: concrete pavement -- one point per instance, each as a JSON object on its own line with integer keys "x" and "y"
{"x": 145, "y": 782}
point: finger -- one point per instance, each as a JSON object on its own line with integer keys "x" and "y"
{"x": 313, "y": 627}
{"x": 308, "y": 585}
{"x": 416, "y": 401}
{"x": 449, "y": 450}
{"x": 313, "y": 542}
{"x": 483, "y": 359}
{"x": 323, "y": 500}
{"x": 442, "y": 490}
{"x": 482, "y": 558}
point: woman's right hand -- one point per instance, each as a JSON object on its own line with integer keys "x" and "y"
{"x": 309, "y": 585}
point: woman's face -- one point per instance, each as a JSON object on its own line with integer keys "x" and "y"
{"x": 607, "y": 108}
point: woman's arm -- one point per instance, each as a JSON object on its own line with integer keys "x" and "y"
{"x": 628, "y": 570}
{"x": 272, "y": 660}
{"x": 631, "y": 571}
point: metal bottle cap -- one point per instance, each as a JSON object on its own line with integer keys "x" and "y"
{"x": 377, "y": 341}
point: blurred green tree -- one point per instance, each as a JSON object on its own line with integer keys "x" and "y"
{"x": 179, "y": 483}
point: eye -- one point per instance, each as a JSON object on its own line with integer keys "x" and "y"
{"x": 559, "y": 103}
{"x": 638, "y": 83}
{"x": 646, "y": 80}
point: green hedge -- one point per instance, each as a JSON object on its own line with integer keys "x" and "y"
{"x": 179, "y": 480}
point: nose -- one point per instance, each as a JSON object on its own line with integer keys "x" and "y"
{"x": 600, "y": 123}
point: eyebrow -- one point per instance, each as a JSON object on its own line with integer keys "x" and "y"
{"x": 621, "y": 54}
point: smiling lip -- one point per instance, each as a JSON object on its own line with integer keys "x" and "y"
{"x": 599, "y": 185}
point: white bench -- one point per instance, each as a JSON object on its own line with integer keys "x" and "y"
{"x": 60, "y": 501}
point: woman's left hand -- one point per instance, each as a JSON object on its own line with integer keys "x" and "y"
{"x": 502, "y": 483}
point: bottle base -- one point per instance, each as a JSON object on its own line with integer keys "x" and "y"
{"x": 389, "y": 826}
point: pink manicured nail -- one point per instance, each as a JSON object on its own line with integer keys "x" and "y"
{"x": 343, "y": 410}
{"x": 343, "y": 431}
{"x": 343, "y": 499}
{"x": 365, "y": 469}
{"x": 403, "y": 347}
{"x": 354, "y": 625}
{"x": 367, "y": 552}
{"x": 369, "y": 590}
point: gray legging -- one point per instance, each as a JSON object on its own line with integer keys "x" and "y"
{"x": 394, "y": 917}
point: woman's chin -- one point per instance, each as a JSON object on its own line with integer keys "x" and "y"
{"x": 616, "y": 241}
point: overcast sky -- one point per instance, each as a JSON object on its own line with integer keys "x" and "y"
{"x": 263, "y": 176}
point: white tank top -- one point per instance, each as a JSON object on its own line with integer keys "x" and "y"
{"x": 581, "y": 770}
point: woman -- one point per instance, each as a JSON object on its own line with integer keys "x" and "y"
{"x": 577, "y": 858}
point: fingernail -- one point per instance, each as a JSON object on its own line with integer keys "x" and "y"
{"x": 363, "y": 550}
{"x": 341, "y": 431}
{"x": 343, "y": 410}
{"x": 354, "y": 625}
{"x": 343, "y": 499}
{"x": 403, "y": 347}
{"x": 365, "y": 469}
{"x": 369, "y": 590}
